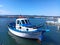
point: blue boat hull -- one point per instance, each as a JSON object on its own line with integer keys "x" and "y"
{"x": 38, "y": 34}
{"x": 32, "y": 35}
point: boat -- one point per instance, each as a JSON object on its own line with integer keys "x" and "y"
{"x": 22, "y": 27}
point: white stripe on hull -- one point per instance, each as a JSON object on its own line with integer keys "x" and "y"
{"x": 25, "y": 35}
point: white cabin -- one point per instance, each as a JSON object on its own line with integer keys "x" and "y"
{"x": 21, "y": 24}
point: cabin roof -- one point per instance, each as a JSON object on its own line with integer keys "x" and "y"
{"x": 22, "y": 19}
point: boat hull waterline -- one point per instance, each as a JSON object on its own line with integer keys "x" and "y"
{"x": 37, "y": 35}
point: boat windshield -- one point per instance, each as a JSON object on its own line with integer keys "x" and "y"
{"x": 25, "y": 21}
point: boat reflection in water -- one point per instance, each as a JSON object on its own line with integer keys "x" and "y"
{"x": 23, "y": 41}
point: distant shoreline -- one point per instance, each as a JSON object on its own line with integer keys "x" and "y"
{"x": 28, "y": 16}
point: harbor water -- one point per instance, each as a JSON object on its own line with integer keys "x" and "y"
{"x": 6, "y": 38}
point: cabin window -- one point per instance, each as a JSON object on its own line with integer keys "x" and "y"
{"x": 17, "y": 21}
{"x": 23, "y": 22}
{"x": 20, "y": 22}
{"x": 26, "y": 21}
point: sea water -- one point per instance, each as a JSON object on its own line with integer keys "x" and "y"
{"x": 7, "y": 38}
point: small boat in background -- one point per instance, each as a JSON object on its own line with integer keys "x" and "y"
{"x": 23, "y": 28}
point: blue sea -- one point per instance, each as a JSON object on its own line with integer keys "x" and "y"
{"x": 6, "y": 38}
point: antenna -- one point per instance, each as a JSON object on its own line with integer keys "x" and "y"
{"x": 20, "y": 11}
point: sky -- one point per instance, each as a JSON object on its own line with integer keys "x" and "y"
{"x": 30, "y": 7}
